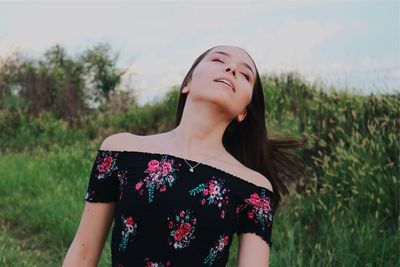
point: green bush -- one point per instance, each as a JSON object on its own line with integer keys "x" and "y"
{"x": 22, "y": 132}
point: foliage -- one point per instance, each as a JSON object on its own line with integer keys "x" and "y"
{"x": 68, "y": 87}
{"x": 100, "y": 67}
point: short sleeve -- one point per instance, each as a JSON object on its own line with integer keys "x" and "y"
{"x": 255, "y": 214}
{"x": 103, "y": 185}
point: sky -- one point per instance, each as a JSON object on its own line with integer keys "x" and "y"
{"x": 349, "y": 45}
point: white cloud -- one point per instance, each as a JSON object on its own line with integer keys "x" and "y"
{"x": 366, "y": 75}
{"x": 272, "y": 49}
{"x": 290, "y": 45}
{"x": 395, "y": 73}
{"x": 158, "y": 41}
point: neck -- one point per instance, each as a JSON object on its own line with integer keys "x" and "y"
{"x": 201, "y": 130}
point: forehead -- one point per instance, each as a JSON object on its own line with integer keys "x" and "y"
{"x": 235, "y": 53}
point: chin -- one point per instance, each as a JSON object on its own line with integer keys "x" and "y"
{"x": 221, "y": 100}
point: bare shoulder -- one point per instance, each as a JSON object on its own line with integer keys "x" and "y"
{"x": 127, "y": 141}
{"x": 120, "y": 141}
{"x": 258, "y": 179}
{"x": 235, "y": 167}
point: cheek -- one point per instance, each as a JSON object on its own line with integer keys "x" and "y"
{"x": 199, "y": 75}
{"x": 246, "y": 92}
{"x": 202, "y": 76}
{"x": 245, "y": 99}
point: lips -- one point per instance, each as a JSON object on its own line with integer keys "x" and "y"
{"x": 229, "y": 81}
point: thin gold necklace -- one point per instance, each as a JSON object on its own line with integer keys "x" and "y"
{"x": 192, "y": 167}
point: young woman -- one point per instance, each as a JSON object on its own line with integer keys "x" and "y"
{"x": 177, "y": 198}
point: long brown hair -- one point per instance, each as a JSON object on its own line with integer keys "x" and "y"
{"x": 248, "y": 140}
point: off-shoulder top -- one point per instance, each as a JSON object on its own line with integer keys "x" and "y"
{"x": 166, "y": 215}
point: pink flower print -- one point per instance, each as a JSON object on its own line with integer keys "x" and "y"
{"x": 123, "y": 181}
{"x": 105, "y": 164}
{"x": 129, "y": 220}
{"x": 149, "y": 263}
{"x": 266, "y": 206}
{"x": 213, "y": 192}
{"x": 166, "y": 168}
{"x": 255, "y": 199}
{"x": 262, "y": 204}
{"x": 216, "y": 250}
{"x": 185, "y": 227}
{"x": 128, "y": 231}
{"x": 171, "y": 179}
{"x": 160, "y": 175}
{"x": 221, "y": 244}
{"x": 211, "y": 186}
{"x": 182, "y": 227}
{"x": 178, "y": 235}
{"x": 260, "y": 208}
{"x": 182, "y": 231}
{"x": 163, "y": 188}
{"x": 153, "y": 165}
{"x": 222, "y": 214}
{"x": 138, "y": 185}
{"x": 250, "y": 215}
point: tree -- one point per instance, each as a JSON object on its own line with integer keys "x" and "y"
{"x": 101, "y": 70}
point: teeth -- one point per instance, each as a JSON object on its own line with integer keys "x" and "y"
{"x": 225, "y": 81}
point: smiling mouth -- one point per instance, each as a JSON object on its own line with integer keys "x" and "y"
{"x": 225, "y": 84}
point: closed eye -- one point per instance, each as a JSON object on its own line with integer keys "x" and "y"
{"x": 217, "y": 60}
{"x": 247, "y": 76}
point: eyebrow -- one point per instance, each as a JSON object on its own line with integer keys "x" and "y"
{"x": 244, "y": 63}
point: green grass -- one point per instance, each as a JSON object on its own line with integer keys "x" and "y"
{"x": 41, "y": 201}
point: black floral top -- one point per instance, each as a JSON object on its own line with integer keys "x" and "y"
{"x": 167, "y": 215}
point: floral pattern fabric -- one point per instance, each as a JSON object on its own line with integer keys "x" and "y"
{"x": 167, "y": 216}
{"x": 182, "y": 229}
{"x": 129, "y": 230}
{"x": 213, "y": 193}
{"x": 256, "y": 214}
{"x": 216, "y": 250}
{"x": 161, "y": 175}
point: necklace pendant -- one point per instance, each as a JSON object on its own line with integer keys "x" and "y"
{"x": 191, "y": 169}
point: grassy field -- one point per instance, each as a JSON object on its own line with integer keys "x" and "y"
{"x": 344, "y": 213}
{"x": 42, "y": 199}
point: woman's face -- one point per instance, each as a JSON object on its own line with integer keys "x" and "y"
{"x": 232, "y": 64}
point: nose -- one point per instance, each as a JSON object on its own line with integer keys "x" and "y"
{"x": 233, "y": 71}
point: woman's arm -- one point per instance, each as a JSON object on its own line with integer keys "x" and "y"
{"x": 88, "y": 243}
{"x": 97, "y": 217}
{"x": 253, "y": 251}
{"x": 254, "y": 248}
